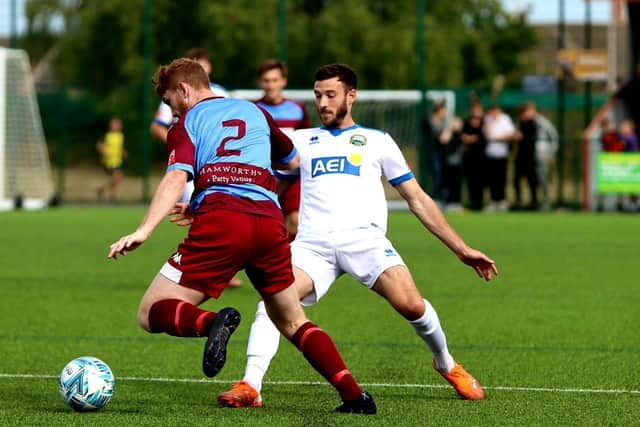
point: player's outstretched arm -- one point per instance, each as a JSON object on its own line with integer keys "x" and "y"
{"x": 426, "y": 210}
{"x": 167, "y": 194}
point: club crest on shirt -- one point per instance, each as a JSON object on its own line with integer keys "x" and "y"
{"x": 314, "y": 140}
{"x": 358, "y": 140}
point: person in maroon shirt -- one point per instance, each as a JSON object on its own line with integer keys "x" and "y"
{"x": 289, "y": 115}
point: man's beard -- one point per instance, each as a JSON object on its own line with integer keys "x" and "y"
{"x": 336, "y": 120}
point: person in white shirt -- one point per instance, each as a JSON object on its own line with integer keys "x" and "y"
{"x": 499, "y": 131}
{"x": 343, "y": 219}
{"x": 164, "y": 117}
{"x": 546, "y": 149}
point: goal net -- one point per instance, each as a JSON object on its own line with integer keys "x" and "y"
{"x": 25, "y": 172}
{"x": 394, "y": 111}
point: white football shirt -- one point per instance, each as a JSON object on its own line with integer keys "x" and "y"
{"x": 164, "y": 115}
{"x": 341, "y": 170}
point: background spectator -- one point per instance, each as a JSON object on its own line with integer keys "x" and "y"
{"x": 112, "y": 154}
{"x": 452, "y": 166}
{"x": 525, "y": 167}
{"x": 474, "y": 158}
{"x": 628, "y": 136}
{"x": 436, "y": 125}
{"x": 289, "y": 115}
{"x": 499, "y": 130}
{"x": 546, "y": 149}
{"x": 610, "y": 138}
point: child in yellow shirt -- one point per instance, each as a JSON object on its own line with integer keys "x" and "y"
{"x": 112, "y": 153}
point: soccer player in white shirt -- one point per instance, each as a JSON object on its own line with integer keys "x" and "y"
{"x": 343, "y": 218}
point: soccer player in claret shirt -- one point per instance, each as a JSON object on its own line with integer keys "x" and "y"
{"x": 289, "y": 115}
{"x": 228, "y": 147}
{"x": 343, "y": 220}
{"x": 165, "y": 117}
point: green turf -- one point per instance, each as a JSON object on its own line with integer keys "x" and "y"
{"x": 548, "y": 338}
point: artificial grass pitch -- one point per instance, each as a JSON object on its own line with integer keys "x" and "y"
{"x": 554, "y": 339}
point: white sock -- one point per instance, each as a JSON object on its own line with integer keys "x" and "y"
{"x": 264, "y": 339}
{"x": 428, "y": 328}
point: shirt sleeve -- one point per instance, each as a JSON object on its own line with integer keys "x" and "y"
{"x": 289, "y": 174}
{"x": 394, "y": 165}
{"x": 510, "y": 127}
{"x": 163, "y": 116}
{"x": 282, "y": 149}
{"x": 181, "y": 149}
{"x": 219, "y": 90}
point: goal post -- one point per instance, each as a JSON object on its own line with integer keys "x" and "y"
{"x": 25, "y": 172}
{"x": 394, "y": 111}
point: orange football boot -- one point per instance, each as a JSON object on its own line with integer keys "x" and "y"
{"x": 241, "y": 395}
{"x": 463, "y": 382}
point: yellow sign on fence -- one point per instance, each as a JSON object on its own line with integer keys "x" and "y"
{"x": 584, "y": 64}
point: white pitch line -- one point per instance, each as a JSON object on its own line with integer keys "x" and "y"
{"x": 383, "y": 385}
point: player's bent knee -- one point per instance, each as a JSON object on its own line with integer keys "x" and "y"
{"x": 143, "y": 318}
{"x": 415, "y": 310}
{"x": 411, "y": 309}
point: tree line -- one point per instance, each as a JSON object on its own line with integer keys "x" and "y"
{"x": 99, "y": 45}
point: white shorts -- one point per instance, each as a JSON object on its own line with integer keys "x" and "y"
{"x": 363, "y": 253}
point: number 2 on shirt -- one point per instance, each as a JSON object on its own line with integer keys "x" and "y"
{"x": 242, "y": 131}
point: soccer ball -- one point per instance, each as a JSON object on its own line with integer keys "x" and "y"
{"x": 86, "y": 383}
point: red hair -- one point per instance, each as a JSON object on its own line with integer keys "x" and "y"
{"x": 180, "y": 70}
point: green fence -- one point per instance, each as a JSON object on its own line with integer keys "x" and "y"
{"x": 73, "y": 122}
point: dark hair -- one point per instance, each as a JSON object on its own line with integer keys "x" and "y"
{"x": 438, "y": 105}
{"x": 476, "y": 104}
{"x": 272, "y": 64}
{"x": 180, "y": 70}
{"x": 197, "y": 53}
{"x": 343, "y": 72}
